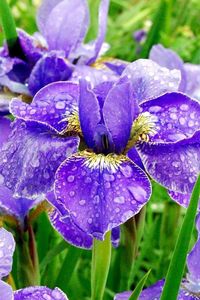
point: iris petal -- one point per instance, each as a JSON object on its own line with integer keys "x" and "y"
{"x": 117, "y": 114}
{"x": 44, "y": 73}
{"x": 7, "y": 247}
{"x": 169, "y": 59}
{"x": 101, "y": 192}
{"x": 6, "y": 291}
{"x": 39, "y": 292}
{"x": 174, "y": 165}
{"x": 33, "y": 153}
{"x": 176, "y": 117}
{"x": 149, "y": 80}
{"x": 51, "y": 105}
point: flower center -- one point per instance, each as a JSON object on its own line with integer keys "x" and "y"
{"x": 111, "y": 161}
{"x": 143, "y": 127}
{"x": 73, "y": 124}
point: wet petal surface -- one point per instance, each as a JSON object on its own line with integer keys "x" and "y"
{"x": 101, "y": 192}
{"x": 33, "y": 154}
{"x": 149, "y": 80}
{"x": 51, "y": 105}
{"x": 44, "y": 73}
{"x": 174, "y": 165}
{"x": 176, "y": 117}
{"x": 39, "y": 293}
{"x": 7, "y": 247}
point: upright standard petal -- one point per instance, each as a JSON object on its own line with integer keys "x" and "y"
{"x": 174, "y": 165}
{"x": 52, "y": 105}
{"x": 89, "y": 113}
{"x": 39, "y": 293}
{"x": 103, "y": 13}
{"x": 33, "y": 153}
{"x": 176, "y": 117}
{"x": 117, "y": 114}
{"x": 101, "y": 192}
{"x": 169, "y": 59}
{"x": 149, "y": 80}
{"x": 44, "y": 72}
{"x": 7, "y": 247}
{"x": 62, "y": 18}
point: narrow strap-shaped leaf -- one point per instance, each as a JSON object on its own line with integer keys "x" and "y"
{"x": 68, "y": 267}
{"x": 10, "y": 31}
{"x": 176, "y": 268}
{"x": 51, "y": 254}
{"x": 139, "y": 287}
{"x": 160, "y": 25}
{"x": 101, "y": 256}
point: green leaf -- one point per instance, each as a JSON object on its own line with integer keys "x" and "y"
{"x": 101, "y": 256}
{"x": 8, "y": 23}
{"x": 52, "y": 254}
{"x": 139, "y": 287}
{"x": 160, "y": 25}
{"x": 176, "y": 268}
{"x": 68, "y": 267}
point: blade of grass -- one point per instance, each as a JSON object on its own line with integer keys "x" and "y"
{"x": 139, "y": 287}
{"x": 161, "y": 23}
{"x": 176, "y": 268}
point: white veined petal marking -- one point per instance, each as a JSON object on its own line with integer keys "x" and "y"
{"x": 110, "y": 162}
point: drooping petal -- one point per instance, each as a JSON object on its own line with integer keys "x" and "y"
{"x": 154, "y": 292}
{"x": 180, "y": 198}
{"x": 134, "y": 156}
{"x": 101, "y": 192}
{"x": 115, "y": 236}
{"x": 176, "y": 117}
{"x": 64, "y": 225}
{"x": 89, "y": 113}
{"x": 39, "y": 293}
{"x": 50, "y": 68}
{"x": 62, "y": 18}
{"x": 7, "y": 247}
{"x": 117, "y": 114}
{"x": 5, "y": 291}
{"x": 5, "y": 130}
{"x": 169, "y": 59}
{"x": 149, "y": 80}
{"x": 103, "y": 12}
{"x": 51, "y": 105}
{"x": 193, "y": 80}
{"x": 174, "y": 165}
{"x": 70, "y": 232}
{"x": 193, "y": 262}
{"x": 33, "y": 153}
{"x": 19, "y": 207}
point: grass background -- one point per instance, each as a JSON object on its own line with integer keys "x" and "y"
{"x": 163, "y": 216}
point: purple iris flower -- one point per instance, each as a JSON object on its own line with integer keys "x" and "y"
{"x": 100, "y": 188}
{"x": 57, "y": 47}
{"x": 190, "y": 286}
{"x": 190, "y": 73}
{"x": 7, "y": 247}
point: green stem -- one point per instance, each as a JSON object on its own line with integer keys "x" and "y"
{"x": 101, "y": 256}
{"x": 10, "y": 31}
{"x": 28, "y": 267}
